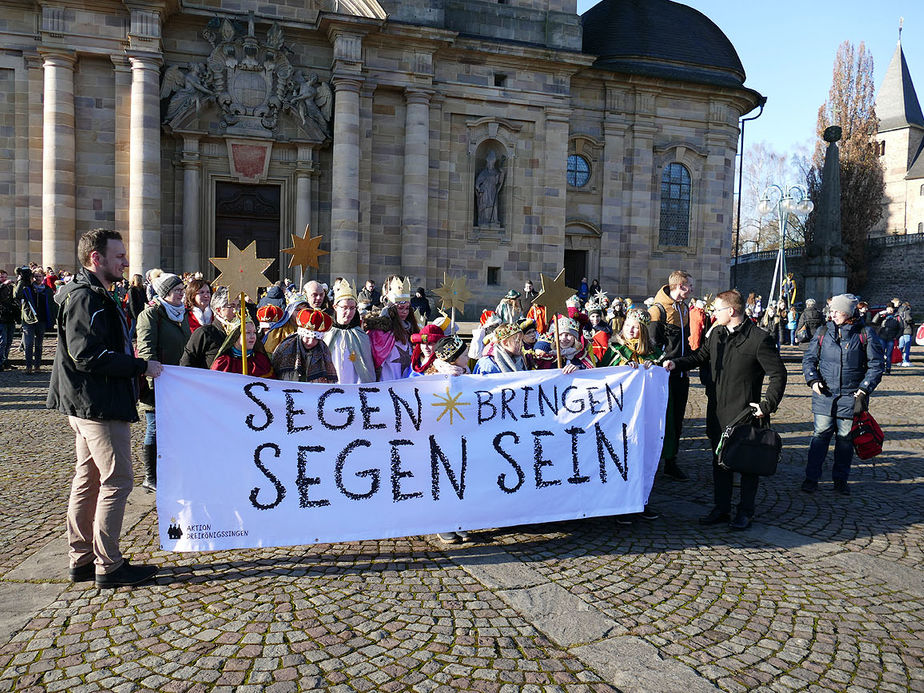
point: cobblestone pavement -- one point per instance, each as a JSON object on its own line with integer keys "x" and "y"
{"x": 824, "y": 593}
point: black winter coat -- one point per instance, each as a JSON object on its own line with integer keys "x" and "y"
{"x": 839, "y": 360}
{"x": 738, "y": 362}
{"x": 203, "y": 346}
{"x": 95, "y": 374}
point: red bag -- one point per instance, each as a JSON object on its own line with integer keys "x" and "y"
{"x": 896, "y": 354}
{"x": 866, "y": 435}
{"x": 919, "y": 337}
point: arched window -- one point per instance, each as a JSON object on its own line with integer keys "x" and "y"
{"x": 921, "y": 227}
{"x": 675, "y": 206}
{"x": 922, "y": 191}
{"x": 882, "y": 148}
{"x": 578, "y": 171}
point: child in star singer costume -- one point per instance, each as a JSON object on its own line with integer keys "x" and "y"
{"x": 632, "y": 346}
{"x": 229, "y": 355}
{"x": 349, "y": 347}
{"x": 390, "y": 334}
{"x": 450, "y": 356}
{"x": 303, "y": 357}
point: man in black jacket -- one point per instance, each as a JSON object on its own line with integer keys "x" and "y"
{"x": 95, "y": 382}
{"x": 739, "y": 354}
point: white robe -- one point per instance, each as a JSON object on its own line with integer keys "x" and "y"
{"x": 351, "y": 354}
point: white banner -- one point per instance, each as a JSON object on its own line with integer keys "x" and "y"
{"x": 246, "y": 462}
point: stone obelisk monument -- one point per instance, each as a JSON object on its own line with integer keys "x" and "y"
{"x": 825, "y": 271}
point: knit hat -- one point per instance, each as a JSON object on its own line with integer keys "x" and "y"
{"x": 268, "y": 315}
{"x": 449, "y": 349}
{"x": 543, "y": 346}
{"x": 527, "y": 325}
{"x": 845, "y": 303}
{"x": 313, "y": 323}
{"x": 343, "y": 291}
{"x": 164, "y": 282}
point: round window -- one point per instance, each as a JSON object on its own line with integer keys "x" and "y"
{"x": 578, "y": 171}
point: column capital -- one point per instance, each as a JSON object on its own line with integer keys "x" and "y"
{"x": 347, "y": 83}
{"x": 146, "y": 61}
{"x": 418, "y": 95}
{"x": 56, "y": 57}
{"x": 120, "y": 62}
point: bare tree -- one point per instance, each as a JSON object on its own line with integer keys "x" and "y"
{"x": 851, "y": 104}
{"x": 763, "y": 167}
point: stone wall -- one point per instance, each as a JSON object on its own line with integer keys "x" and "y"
{"x": 894, "y": 270}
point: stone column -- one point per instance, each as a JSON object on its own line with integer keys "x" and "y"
{"x": 59, "y": 248}
{"x": 416, "y": 186}
{"x": 123, "y": 95}
{"x": 192, "y": 240}
{"x": 144, "y": 168}
{"x": 344, "y": 214}
{"x": 303, "y": 169}
{"x": 554, "y": 211}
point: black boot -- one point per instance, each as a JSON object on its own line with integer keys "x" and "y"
{"x": 150, "y": 467}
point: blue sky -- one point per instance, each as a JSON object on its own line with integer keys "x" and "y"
{"x": 787, "y": 49}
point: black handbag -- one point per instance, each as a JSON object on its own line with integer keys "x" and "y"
{"x": 748, "y": 448}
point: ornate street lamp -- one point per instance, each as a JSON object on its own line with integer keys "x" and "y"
{"x": 786, "y": 201}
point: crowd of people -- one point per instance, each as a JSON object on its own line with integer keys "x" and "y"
{"x": 114, "y": 336}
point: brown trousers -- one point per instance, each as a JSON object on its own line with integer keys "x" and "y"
{"x": 102, "y": 482}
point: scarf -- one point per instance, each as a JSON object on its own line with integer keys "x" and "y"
{"x": 237, "y": 353}
{"x": 505, "y": 362}
{"x": 175, "y": 313}
{"x": 633, "y": 345}
{"x": 203, "y": 316}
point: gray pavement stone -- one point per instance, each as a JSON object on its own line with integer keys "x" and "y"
{"x": 824, "y": 592}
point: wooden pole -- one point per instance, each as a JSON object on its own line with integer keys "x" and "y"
{"x": 452, "y": 320}
{"x": 243, "y": 334}
{"x": 557, "y": 343}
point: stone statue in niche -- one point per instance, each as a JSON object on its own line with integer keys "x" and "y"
{"x": 488, "y": 184}
{"x": 251, "y": 82}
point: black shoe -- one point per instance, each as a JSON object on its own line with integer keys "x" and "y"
{"x": 673, "y": 471}
{"x": 715, "y": 517}
{"x": 740, "y": 522}
{"x": 126, "y": 575}
{"x": 649, "y": 514}
{"x": 810, "y": 486}
{"x": 841, "y": 487}
{"x": 83, "y": 573}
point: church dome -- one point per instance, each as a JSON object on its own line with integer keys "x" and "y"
{"x": 659, "y": 38}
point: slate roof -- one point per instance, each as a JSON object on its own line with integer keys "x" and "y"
{"x": 897, "y": 103}
{"x": 660, "y": 38}
{"x": 916, "y": 170}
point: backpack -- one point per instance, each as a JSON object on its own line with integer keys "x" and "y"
{"x": 866, "y": 435}
{"x": 890, "y": 328}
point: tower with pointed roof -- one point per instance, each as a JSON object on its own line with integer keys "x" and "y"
{"x": 901, "y": 150}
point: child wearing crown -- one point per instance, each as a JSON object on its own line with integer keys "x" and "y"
{"x": 304, "y": 357}
{"x": 633, "y": 345}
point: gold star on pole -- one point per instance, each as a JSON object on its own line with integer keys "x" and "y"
{"x": 554, "y": 294}
{"x": 306, "y": 250}
{"x": 454, "y": 293}
{"x": 242, "y": 271}
{"x": 451, "y": 404}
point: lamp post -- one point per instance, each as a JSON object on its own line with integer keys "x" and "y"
{"x": 786, "y": 201}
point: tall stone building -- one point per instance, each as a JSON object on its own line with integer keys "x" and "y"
{"x": 901, "y": 149}
{"x": 496, "y": 140}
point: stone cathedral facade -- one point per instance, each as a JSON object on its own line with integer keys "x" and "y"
{"x": 495, "y": 140}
